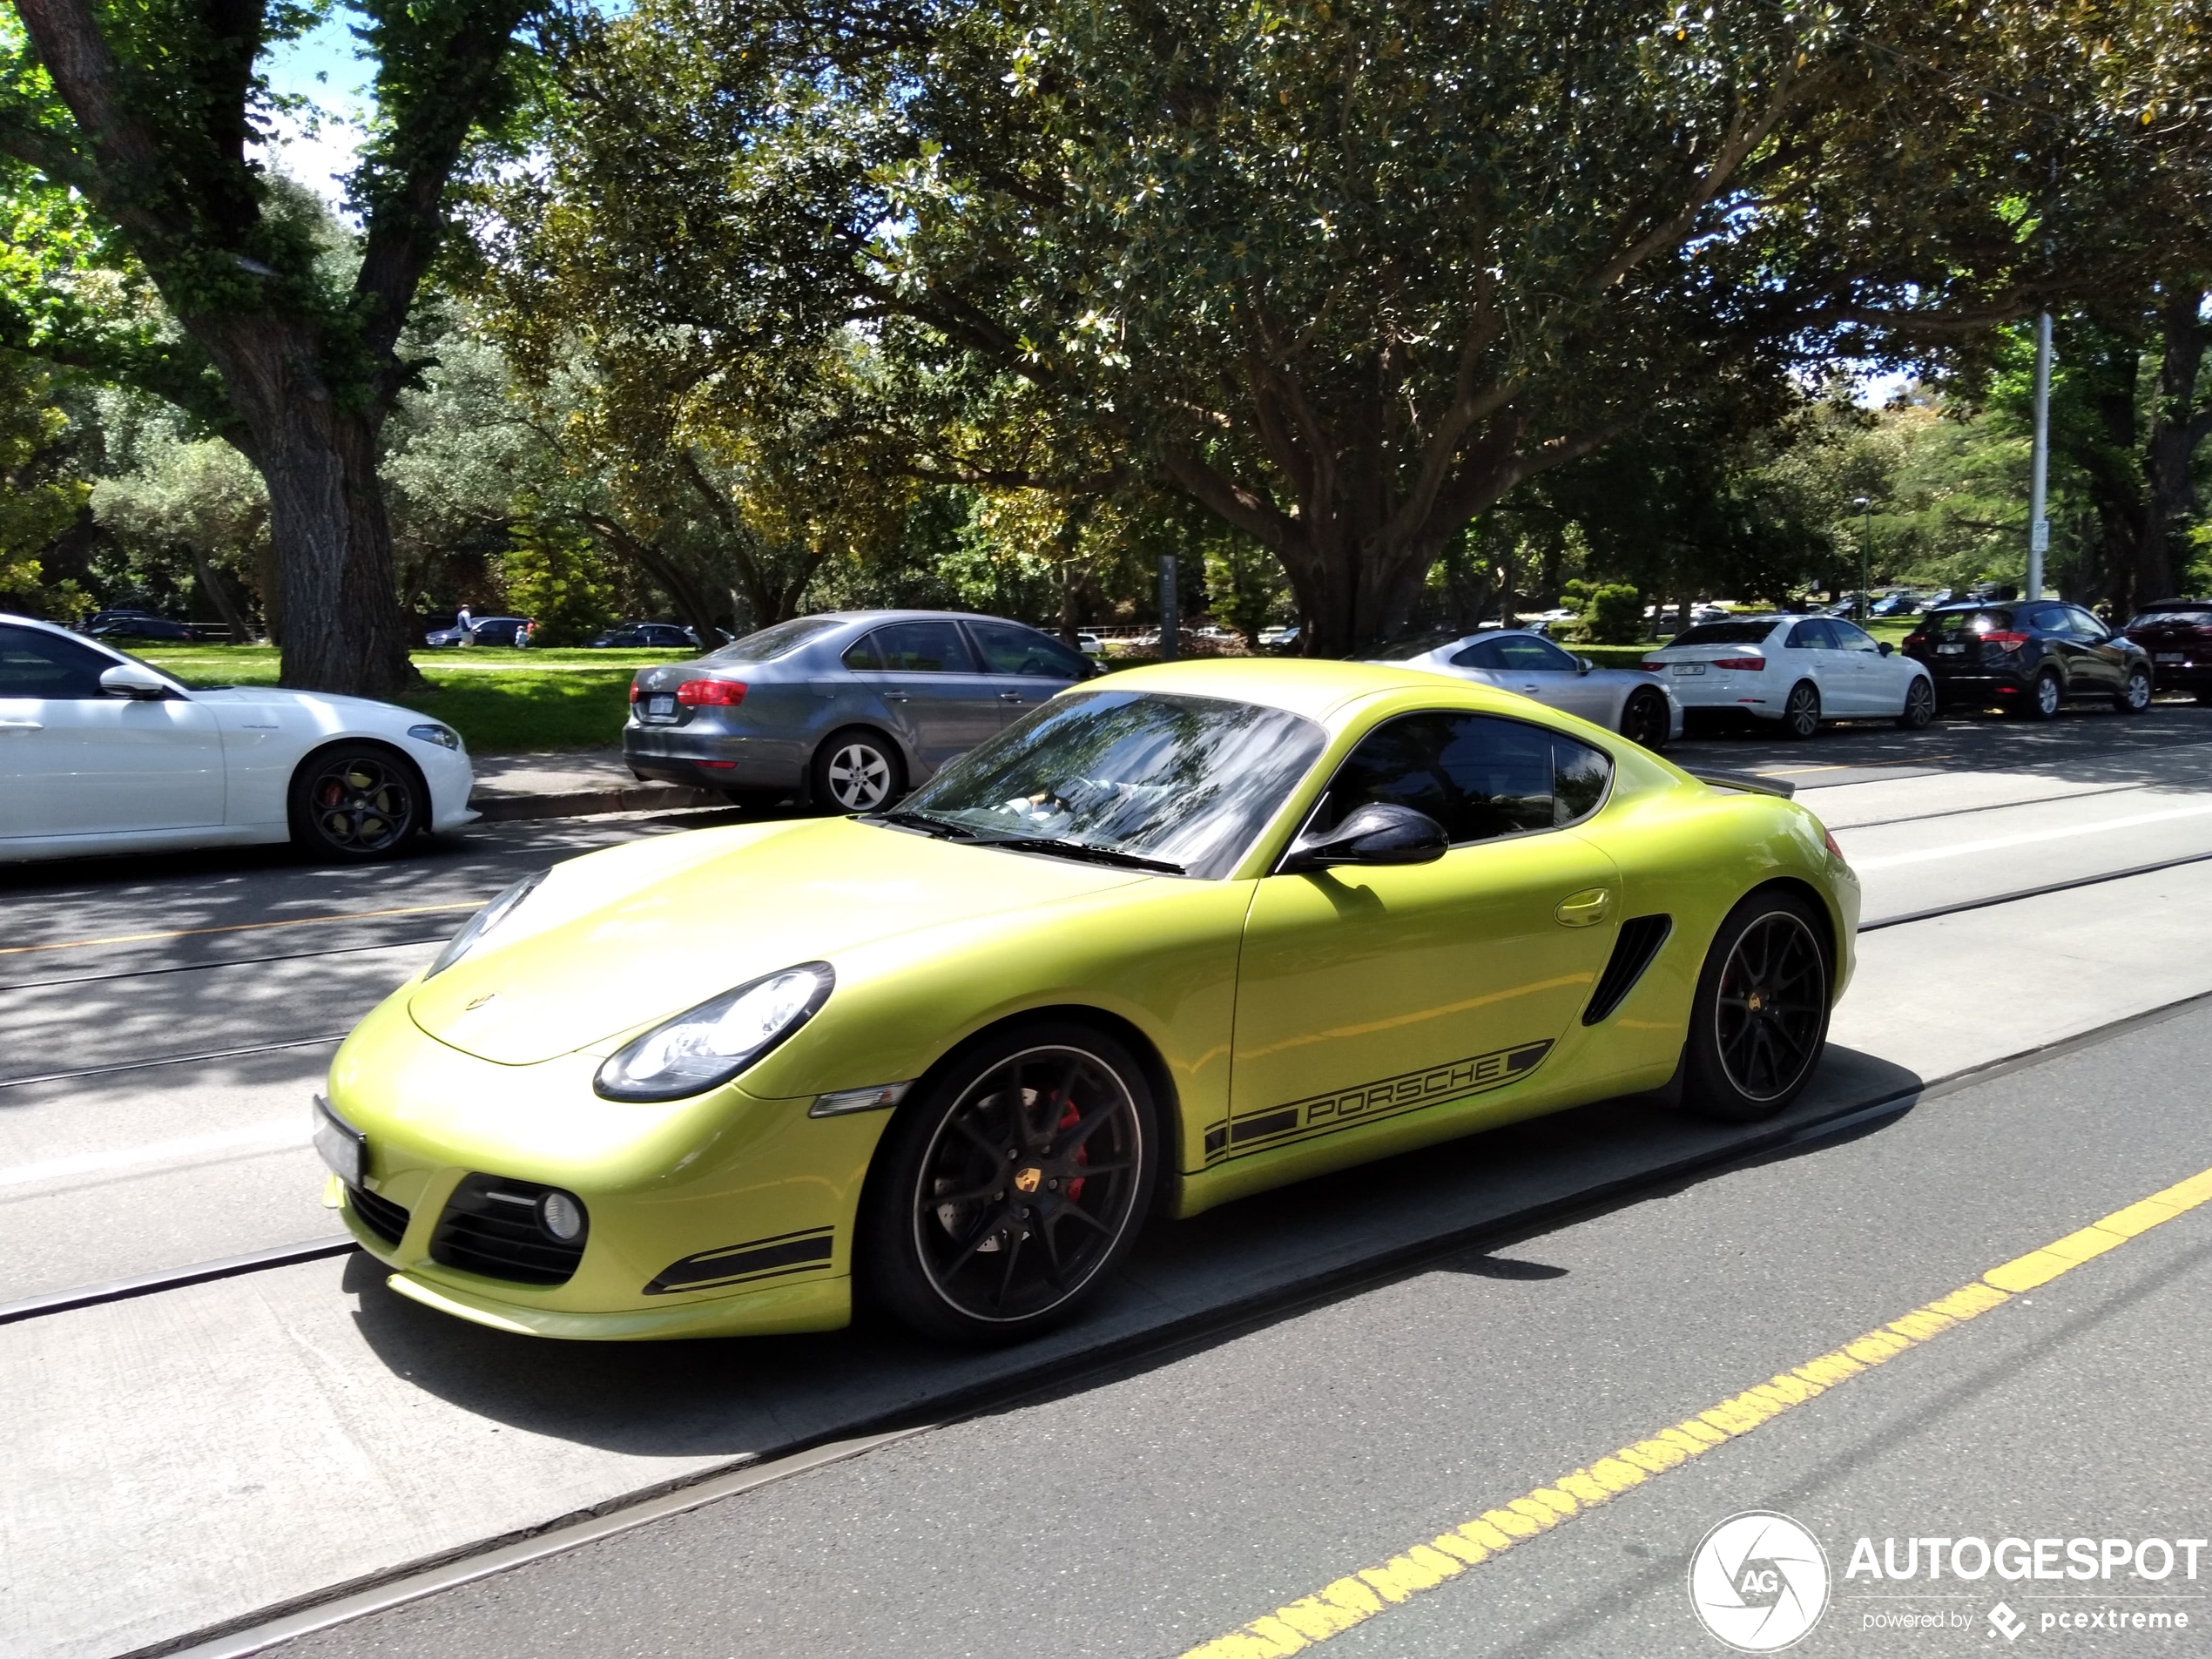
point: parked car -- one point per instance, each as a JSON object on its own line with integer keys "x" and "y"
{"x": 2178, "y": 635}
{"x": 849, "y": 710}
{"x": 142, "y": 627}
{"x": 484, "y": 630}
{"x": 1800, "y": 671}
{"x": 1896, "y": 604}
{"x": 1090, "y": 645}
{"x": 100, "y": 752}
{"x": 120, "y": 613}
{"x": 1277, "y": 639}
{"x": 646, "y": 636}
{"x": 1624, "y": 700}
{"x": 2030, "y": 657}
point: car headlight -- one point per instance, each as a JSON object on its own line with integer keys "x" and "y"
{"x": 430, "y": 731}
{"x": 711, "y": 1043}
{"x": 482, "y": 923}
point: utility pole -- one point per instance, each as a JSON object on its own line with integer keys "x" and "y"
{"x": 2038, "y": 527}
{"x": 1866, "y": 505}
{"x": 1170, "y": 624}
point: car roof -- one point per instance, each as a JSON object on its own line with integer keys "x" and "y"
{"x": 1316, "y": 687}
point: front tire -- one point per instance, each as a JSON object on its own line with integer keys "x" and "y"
{"x": 1919, "y": 706}
{"x": 1005, "y": 1195}
{"x": 1644, "y": 720}
{"x": 2047, "y": 697}
{"x": 356, "y": 801}
{"x": 2135, "y": 696}
{"x": 858, "y": 771}
{"x": 1801, "y": 713}
{"x": 1761, "y": 1017}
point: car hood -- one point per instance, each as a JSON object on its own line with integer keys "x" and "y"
{"x": 356, "y": 709}
{"x": 620, "y": 939}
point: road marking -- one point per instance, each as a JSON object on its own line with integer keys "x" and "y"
{"x": 1357, "y": 1597}
{"x": 243, "y": 927}
{"x": 292, "y": 1131}
{"x": 1999, "y": 843}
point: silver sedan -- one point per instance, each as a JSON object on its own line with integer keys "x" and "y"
{"x": 1628, "y": 701}
{"x": 849, "y": 710}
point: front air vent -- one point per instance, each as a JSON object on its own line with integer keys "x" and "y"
{"x": 500, "y": 1228}
{"x": 381, "y": 1216}
{"x": 1639, "y": 941}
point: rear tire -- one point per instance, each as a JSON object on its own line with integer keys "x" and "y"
{"x": 856, "y": 770}
{"x": 1005, "y": 1193}
{"x": 1644, "y": 719}
{"x": 1919, "y": 706}
{"x": 1801, "y": 713}
{"x": 2046, "y": 697}
{"x": 2135, "y": 696}
{"x": 360, "y": 802}
{"x": 1760, "y": 1020}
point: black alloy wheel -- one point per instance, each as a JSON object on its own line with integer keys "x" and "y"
{"x": 1005, "y": 1193}
{"x": 2047, "y": 697}
{"x": 1761, "y": 1017}
{"x": 1644, "y": 719}
{"x": 1919, "y": 706}
{"x": 2134, "y": 697}
{"x": 1801, "y": 713}
{"x": 356, "y": 801}
{"x": 858, "y": 771}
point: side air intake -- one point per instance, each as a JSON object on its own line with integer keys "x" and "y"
{"x": 1641, "y": 937}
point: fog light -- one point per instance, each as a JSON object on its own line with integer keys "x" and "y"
{"x": 562, "y": 1216}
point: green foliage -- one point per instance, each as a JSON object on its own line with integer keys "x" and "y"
{"x": 556, "y": 575}
{"x": 38, "y": 499}
{"x": 1616, "y": 615}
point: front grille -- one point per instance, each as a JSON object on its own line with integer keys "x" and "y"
{"x": 381, "y": 1216}
{"x": 490, "y": 1226}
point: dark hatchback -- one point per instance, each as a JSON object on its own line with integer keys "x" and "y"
{"x": 2029, "y": 658}
{"x": 2178, "y": 635}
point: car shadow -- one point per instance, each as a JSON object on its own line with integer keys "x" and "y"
{"x": 1187, "y": 1284}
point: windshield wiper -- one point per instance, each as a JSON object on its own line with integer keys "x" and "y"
{"x": 937, "y": 828}
{"x": 1082, "y": 850}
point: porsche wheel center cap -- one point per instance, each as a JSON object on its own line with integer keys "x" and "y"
{"x": 1755, "y": 1002}
{"x": 1027, "y": 1180}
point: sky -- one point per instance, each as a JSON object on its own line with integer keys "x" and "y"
{"x": 321, "y": 65}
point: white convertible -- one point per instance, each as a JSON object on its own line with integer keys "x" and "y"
{"x": 100, "y": 752}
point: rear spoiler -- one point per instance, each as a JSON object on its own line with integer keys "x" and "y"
{"x": 1751, "y": 781}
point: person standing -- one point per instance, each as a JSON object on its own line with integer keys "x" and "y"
{"x": 467, "y": 623}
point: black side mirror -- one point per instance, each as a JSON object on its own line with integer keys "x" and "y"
{"x": 1379, "y": 832}
{"x": 1884, "y": 646}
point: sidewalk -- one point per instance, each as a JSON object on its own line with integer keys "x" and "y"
{"x": 572, "y": 783}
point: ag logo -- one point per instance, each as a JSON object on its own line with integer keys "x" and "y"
{"x": 1759, "y": 1582}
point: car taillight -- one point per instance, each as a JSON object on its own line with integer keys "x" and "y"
{"x": 2005, "y": 642}
{"x": 1653, "y": 668}
{"x": 1834, "y": 851}
{"x": 634, "y": 692}
{"x": 1912, "y": 640}
{"x": 711, "y": 694}
{"x": 1747, "y": 663}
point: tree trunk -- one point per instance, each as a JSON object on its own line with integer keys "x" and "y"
{"x": 2177, "y": 428}
{"x": 233, "y": 618}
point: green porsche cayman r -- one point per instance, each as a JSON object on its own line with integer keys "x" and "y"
{"x": 1177, "y": 936}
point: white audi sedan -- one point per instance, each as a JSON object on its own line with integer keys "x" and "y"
{"x": 100, "y": 752}
{"x": 1799, "y": 671}
{"x": 1620, "y": 700}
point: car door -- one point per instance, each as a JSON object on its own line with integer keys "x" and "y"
{"x": 1809, "y": 651}
{"x": 927, "y": 678}
{"x": 77, "y": 761}
{"x": 1028, "y": 666}
{"x": 1556, "y": 676}
{"x": 2103, "y": 661}
{"x": 1366, "y": 992}
{"x": 1877, "y": 681}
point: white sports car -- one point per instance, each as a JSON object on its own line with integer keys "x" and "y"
{"x": 1628, "y": 701}
{"x": 1800, "y": 671}
{"x": 100, "y": 752}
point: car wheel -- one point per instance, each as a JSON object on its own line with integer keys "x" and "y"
{"x": 356, "y": 801}
{"x": 1644, "y": 720}
{"x": 1801, "y": 714}
{"x": 1761, "y": 1017}
{"x": 2135, "y": 696}
{"x": 2046, "y": 697}
{"x": 1004, "y": 1194}
{"x": 1919, "y": 706}
{"x": 858, "y": 771}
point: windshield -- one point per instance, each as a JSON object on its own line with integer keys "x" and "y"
{"x": 1188, "y": 781}
{"x": 1725, "y": 633}
{"x": 2195, "y": 617}
{"x": 771, "y": 643}
{"x": 1960, "y": 622}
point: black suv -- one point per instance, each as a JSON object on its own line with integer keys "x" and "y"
{"x": 2178, "y": 635}
{"x": 2028, "y": 656}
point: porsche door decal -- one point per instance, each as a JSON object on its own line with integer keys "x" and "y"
{"x": 1387, "y": 1097}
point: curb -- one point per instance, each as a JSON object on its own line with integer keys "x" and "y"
{"x": 586, "y": 802}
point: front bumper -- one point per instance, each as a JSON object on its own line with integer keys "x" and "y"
{"x": 452, "y": 781}
{"x": 726, "y": 1214}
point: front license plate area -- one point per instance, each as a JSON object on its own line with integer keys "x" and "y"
{"x": 1690, "y": 668}
{"x": 661, "y": 708}
{"x": 344, "y": 1148}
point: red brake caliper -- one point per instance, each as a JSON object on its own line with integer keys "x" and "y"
{"x": 1069, "y": 1119}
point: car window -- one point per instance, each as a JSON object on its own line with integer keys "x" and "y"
{"x": 1477, "y": 775}
{"x": 1482, "y": 654}
{"x": 1405, "y": 650}
{"x": 1526, "y": 651}
{"x": 1814, "y": 635}
{"x": 1024, "y": 650}
{"x": 2174, "y": 616}
{"x": 1968, "y": 622}
{"x": 860, "y": 656}
{"x": 922, "y": 648}
{"x": 773, "y": 642}
{"x": 1850, "y": 636}
{"x": 2083, "y": 625}
{"x": 35, "y": 663}
{"x": 1725, "y": 633}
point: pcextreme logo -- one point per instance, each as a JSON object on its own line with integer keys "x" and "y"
{"x": 1759, "y": 1582}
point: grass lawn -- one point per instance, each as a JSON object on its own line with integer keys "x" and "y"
{"x": 498, "y": 700}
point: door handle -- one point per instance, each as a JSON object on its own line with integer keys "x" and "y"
{"x": 1584, "y": 910}
{"x": 894, "y": 697}
{"x": 1009, "y": 697}
{"x": 22, "y": 725}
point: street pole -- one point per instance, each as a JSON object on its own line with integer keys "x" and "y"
{"x": 2038, "y": 527}
{"x": 1170, "y": 624}
{"x": 1866, "y": 505}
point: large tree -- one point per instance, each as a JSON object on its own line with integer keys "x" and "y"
{"x": 147, "y": 115}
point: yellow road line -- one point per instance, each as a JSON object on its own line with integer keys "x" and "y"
{"x": 241, "y": 927}
{"x": 1360, "y": 1596}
